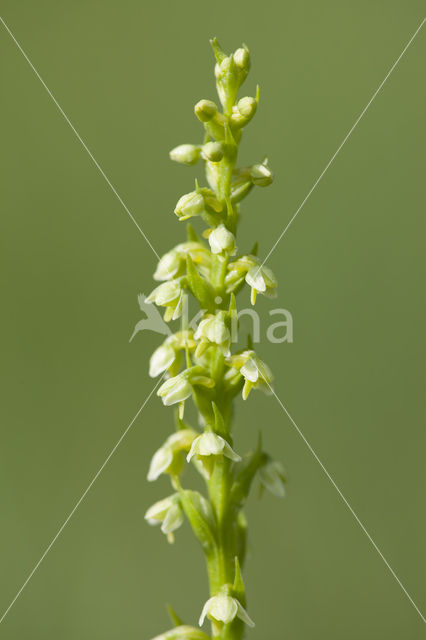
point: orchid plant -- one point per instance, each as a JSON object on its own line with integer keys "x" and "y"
{"x": 205, "y": 364}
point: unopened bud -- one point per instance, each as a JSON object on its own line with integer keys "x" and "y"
{"x": 205, "y": 110}
{"x": 242, "y": 59}
{"x": 191, "y": 204}
{"x": 212, "y": 151}
{"x": 244, "y": 111}
{"x": 185, "y": 154}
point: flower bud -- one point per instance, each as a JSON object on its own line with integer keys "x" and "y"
{"x": 244, "y": 111}
{"x": 261, "y": 175}
{"x": 221, "y": 240}
{"x": 242, "y": 59}
{"x": 175, "y": 390}
{"x": 189, "y": 205}
{"x": 185, "y": 154}
{"x": 161, "y": 360}
{"x": 212, "y": 151}
{"x": 205, "y": 110}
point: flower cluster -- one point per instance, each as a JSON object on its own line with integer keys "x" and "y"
{"x": 206, "y": 364}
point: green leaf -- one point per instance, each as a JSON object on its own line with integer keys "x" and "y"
{"x": 192, "y": 234}
{"x": 252, "y": 463}
{"x": 199, "y": 287}
{"x": 177, "y": 621}
{"x": 217, "y": 50}
{"x": 219, "y": 423}
{"x": 201, "y": 518}
{"x": 238, "y": 587}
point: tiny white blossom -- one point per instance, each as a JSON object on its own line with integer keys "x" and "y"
{"x": 169, "y": 295}
{"x": 261, "y": 175}
{"x": 221, "y": 240}
{"x": 189, "y": 205}
{"x": 166, "y": 455}
{"x": 210, "y": 444}
{"x": 168, "y": 513}
{"x": 223, "y": 608}
{"x": 261, "y": 280}
{"x": 255, "y": 372}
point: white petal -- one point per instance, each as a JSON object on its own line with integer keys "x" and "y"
{"x": 255, "y": 279}
{"x": 250, "y": 370}
{"x": 244, "y": 616}
{"x": 204, "y": 612}
{"x": 157, "y": 512}
{"x": 161, "y": 360}
{"x": 230, "y": 453}
{"x": 173, "y": 520}
{"x": 161, "y": 460}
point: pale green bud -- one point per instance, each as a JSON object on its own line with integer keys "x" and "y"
{"x": 242, "y": 59}
{"x": 222, "y": 240}
{"x": 212, "y": 151}
{"x": 205, "y": 110}
{"x": 244, "y": 111}
{"x": 261, "y": 175}
{"x": 189, "y": 205}
{"x": 224, "y": 608}
{"x": 185, "y": 154}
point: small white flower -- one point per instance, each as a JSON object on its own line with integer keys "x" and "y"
{"x": 170, "y": 295}
{"x": 168, "y": 266}
{"x": 223, "y": 608}
{"x": 213, "y": 330}
{"x": 175, "y": 390}
{"x": 255, "y": 372}
{"x": 168, "y": 513}
{"x": 221, "y": 240}
{"x": 161, "y": 360}
{"x": 261, "y": 280}
{"x": 172, "y": 264}
{"x": 166, "y": 458}
{"x": 272, "y": 477}
{"x": 210, "y": 444}
{"x": 261, "y": 175}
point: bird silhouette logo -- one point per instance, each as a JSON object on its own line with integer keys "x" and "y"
{"x": 153, "y": 320}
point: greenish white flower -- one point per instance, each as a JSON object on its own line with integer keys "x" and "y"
{"x": 167, "y": 458}
{"x": 168, "y": 513}
{"x": 261, "y": 280}
{"x": 272, "y": 477}
{"x": 224, "y": 608}
{"x": 213, "y": 330}
{"x": 210, "y": 444}
{"x": 173, "y": 263}
{"x": 185, "y": 154}
{"x": 221, "y": 240}
{"x": 261, "y": 175}
{"x": 254, "y": 371}
{"x": 169, "y": 295}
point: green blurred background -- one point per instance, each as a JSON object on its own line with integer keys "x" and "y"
{"x": 351, "y": 271}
